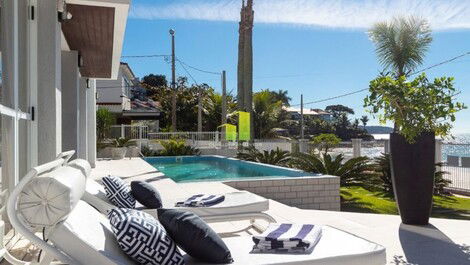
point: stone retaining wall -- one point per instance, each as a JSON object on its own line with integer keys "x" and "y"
{"x": 319, "y": 192}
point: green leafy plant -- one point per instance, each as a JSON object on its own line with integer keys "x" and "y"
{"x": 354, "y": 171}
{"x": 146, "y": 151}
{"x": 274, "y": 157}
{"x": 325, "y": 141}
{"x": 104, "y": 120}
{"x": 177, "y": 147}
{"x": 122, "y": 142}
{"x": 383, "y": 180}
{"x": 415, "y": 107}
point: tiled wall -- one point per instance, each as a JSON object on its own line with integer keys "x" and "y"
{"x": 320, "y": 192}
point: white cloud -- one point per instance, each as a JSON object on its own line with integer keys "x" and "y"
{"x": 354, "y": 14}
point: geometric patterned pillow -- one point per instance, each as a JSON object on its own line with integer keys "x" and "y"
{"x": 143, "y": 238}
{"x": 118, "y": 192}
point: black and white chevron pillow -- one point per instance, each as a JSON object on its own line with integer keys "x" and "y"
{"x": 118, "y": 192}
{"x": 143, "y": 238}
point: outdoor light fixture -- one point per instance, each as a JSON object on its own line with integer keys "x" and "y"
{"x": 80, "y": 60}
{"x": 62, "y": 13}
{"x": 172, "y": 32}
{"x": 88, "y": 83}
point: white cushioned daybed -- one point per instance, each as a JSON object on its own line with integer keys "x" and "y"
{"x": 49, "y": 197}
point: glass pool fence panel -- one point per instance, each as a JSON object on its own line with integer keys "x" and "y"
{"x": 456, "y": 158}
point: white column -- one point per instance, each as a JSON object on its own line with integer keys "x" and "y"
{"x": 70, "y": 101}
{"x": 49, "y": 112}
{"x": 91, "y": 102}
{"x": 82, "y": 151}
{"x": 387, "y": 146}
{"x": 356, "y": 144}
{"x": 438, "y": 158}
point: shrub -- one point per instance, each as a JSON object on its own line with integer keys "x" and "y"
{"x": 352, "y": 172}
{"x": 276, "y": 157}
{"x": 383, "y": 180}
{"x": 177, "y": 147}
{"x": 104, "y": 120}
{"x": 146, "y": 151}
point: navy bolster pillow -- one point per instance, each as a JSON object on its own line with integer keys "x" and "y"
{"x": 146, "y": 194}
{"x": 194, "y": 236}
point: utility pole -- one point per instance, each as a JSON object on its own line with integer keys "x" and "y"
{"x": 199, "y": 109}
{"x": 173, "y": 82}
{"x": 302, "y": 116}
{"x": 224, "y": 98}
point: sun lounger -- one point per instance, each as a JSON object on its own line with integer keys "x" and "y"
{"x": 78, "y": 234}
{"x": 241, "y": 205}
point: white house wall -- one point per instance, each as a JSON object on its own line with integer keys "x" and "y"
{"x": 49, "y": 82}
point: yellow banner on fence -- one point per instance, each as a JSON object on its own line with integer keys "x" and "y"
{"x": 244, "y": 122}
{"x": 230, "y": 132}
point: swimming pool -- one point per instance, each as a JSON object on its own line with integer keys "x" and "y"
{"x": 218, "y": 168}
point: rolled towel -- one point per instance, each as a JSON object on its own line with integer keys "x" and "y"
{"x": 290, "y": 238}
{"x": 201, "y": 200}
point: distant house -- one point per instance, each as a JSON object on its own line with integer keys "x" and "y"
{"x": 294, "y": 113}
{"x": 126, "y": 98}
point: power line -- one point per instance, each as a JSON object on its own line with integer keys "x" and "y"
{"x": 186, "y": 70}
{"x": 146, "y": 56}
{"x": 441, "y": 63}
{"x": 198, "y": 69}
{"x": 364, "y": 89}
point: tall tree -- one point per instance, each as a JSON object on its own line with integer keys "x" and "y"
{"x": 401, "y": 44}
{"x": 155, "y": 80}
{"x": 338, "y": 110}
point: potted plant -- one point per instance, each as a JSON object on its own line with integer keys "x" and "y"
{"x": 421, "y": 110}
{"x": 119, "y": 147}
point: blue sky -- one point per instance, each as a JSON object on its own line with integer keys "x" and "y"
{"x": 321, "y": 51}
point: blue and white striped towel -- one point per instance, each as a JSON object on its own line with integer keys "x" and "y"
{"x": 201, "y": 200}
{"x": 288, "y": 238}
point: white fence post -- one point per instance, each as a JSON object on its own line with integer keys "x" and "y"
{"x": 356, "y": 143}
{"x": 123, "y": 131}
{"x": 303, "y": 145}
{"x": 387, "y": 146}
{"x": 438, "y": 158}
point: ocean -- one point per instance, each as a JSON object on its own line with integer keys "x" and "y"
{"x": 459, "y": 145}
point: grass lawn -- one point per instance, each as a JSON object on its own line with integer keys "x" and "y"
{"x": 359, "y": 199}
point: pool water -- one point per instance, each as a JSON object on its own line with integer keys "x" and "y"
{"x": 215, "y": 168}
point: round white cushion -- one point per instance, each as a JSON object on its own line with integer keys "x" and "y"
{"x": 48, "y": 199}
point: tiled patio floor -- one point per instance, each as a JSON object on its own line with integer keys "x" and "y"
{"x": 443, "y": 242}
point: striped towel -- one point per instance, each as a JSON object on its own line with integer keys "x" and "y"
{"x": 201, "y": 200}
{"x": 287, "y": 238}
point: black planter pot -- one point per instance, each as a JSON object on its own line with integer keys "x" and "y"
{"x": 413, "y": 167}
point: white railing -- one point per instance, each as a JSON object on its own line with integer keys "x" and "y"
{"x": 134, "y": 132}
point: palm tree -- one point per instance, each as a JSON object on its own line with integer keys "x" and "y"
{"x": 266, "y": 113}
{"x": 401, "y": 44}
{"x": 364, "y": 120}
{"x": 282, "y": 96}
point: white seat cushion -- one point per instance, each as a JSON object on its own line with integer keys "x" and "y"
{"x": 234, "y": 203}
{"x": 334, "y": 248}
{"x": 87, "y": 237}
